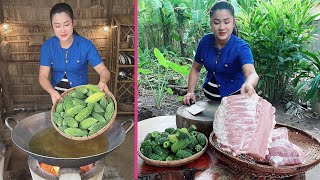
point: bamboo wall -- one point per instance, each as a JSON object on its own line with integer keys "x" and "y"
{"x": 28, "y": 20}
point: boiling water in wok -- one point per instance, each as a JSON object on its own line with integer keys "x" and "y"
{"x": 49, "y": 142}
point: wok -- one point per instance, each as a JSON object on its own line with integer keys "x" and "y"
{"x": 22, "y": 133}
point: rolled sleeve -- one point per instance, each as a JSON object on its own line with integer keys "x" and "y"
{"x": 198, "y": 56}
{"x": 45, "y": 59}
{"x": 93, "y": 56}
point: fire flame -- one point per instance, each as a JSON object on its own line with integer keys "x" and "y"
{"x": 54, "y": 170}
{"x": 50, "y": 169}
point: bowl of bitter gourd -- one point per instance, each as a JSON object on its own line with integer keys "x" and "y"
{"x": 173, "y": 147}
{"x": 84, "y": 112}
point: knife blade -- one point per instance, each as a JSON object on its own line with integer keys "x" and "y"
{"x": 194, "y": 108}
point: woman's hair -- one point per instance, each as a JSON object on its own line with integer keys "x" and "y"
{"x": 62, "y": 7}
{"x": 220, "y": 5}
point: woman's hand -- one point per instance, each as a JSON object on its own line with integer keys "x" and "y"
{"x": 247, "y": 88}
{"x": 103, "y": 86}
{"x": 252, "y": 79}
{"x": 186, "y": 99}
{"x": 55, "y": 96}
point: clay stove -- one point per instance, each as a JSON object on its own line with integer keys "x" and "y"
{"x": 93, "y": 171}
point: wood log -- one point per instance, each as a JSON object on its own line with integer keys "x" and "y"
{"x": 203, "y": 120}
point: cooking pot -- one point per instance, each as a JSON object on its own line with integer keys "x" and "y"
{"x": 23, "y": 132}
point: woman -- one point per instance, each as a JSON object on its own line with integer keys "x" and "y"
{"x": 68, "y": 54}
{"x": 227, "y": 59}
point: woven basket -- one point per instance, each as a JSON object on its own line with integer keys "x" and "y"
{"x": 102, "y": 130}
{"x": 175, "y": 163}
{"x": 245, "y": 164}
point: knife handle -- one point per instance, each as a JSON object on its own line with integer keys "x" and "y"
{"x": 191, "y": 101}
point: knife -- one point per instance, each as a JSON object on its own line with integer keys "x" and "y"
{"x": 194, "y": 108}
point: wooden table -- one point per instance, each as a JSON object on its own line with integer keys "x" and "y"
{"x": 215, "y": 169}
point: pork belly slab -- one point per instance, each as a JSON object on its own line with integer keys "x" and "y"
{"x": 283, "y": 152}
{"x": 243, "y": 125}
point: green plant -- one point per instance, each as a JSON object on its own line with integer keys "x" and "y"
{"x": 278, "y": 32}
{"x": 310, "y": 73}
{"x": 161, "y": 75}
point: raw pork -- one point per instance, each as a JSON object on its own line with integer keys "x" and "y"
{"x": 243, "y": 125}
{"x": 282, "y": 152}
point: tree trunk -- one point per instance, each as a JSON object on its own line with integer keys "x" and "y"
{"x": 181, "y": 31}
{"x": 165, "y": 28}
{"x": 145, "y": 39}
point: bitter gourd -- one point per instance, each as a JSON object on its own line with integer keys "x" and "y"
{"x": 64, "y": 123}
{"x": 95, "y": 97}
{"x": 93, "y": 88}
{"x": 147, "y": 150}
{"x": 75, "y": 110}
{"x": 198, "y": 148}
{"x": 71, "y": 122}
{"x": 169, "y": 130}
{"x": 84, "y": 113}
{"x": 56, "y": 115}
{"x": 58, "y": 120}
{"x": 166, "y": 144}
{"x": 78, "y": 102}
{"x": 76, "y": 132}
{"x": 85, "y": 124}
{"x": 59, "y": 107}
{"x": 181, "y": 135}
{"x": 62, "y": 128}
{"x": 109, "y": 111}
{"x": 82, "y": 90}
{"x": 98, "y": 116}
{"x": 173, "y": 138}
{"x": 103, "y": 102}
{"x": 67, "y": 102}
{"x": 185, "y": 130}
{"x": 155, "y": 157}
{"x": 97, "y": 108}
{"x": 192, "y": 128}
{"x": 97, "y": 126}
{"x": 89, "y": 93}
{"x": 183, "y": 154}
{"x": 160, "y": 140}
{"x": 193, "y": 142}
{"x": 182, "y": 144}
{"x": 201, "y": 139}
{"x": 194, "y": 133}
{"x": 77, "y": 95}
{"x": 154, "y": 134}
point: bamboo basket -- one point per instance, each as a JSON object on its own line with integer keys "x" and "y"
{"x": 102, "y": 130}
{"x": 175, "y": 163}
{"x": 245, "y": 164}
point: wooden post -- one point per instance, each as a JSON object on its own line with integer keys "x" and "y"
{"x": 4, "y": 76}
{"x": 109, "y": 11}
{"x": 1, "y": 12}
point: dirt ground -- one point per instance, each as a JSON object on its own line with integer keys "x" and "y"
{"x": 170, "y": 104}
{"x": 147, "y": 109}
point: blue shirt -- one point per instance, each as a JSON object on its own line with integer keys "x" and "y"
{"x": 72, "y": 61}
{"x": 226, "y": 63}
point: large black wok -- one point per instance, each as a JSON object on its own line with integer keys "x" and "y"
{"x": 22, "y": 133}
